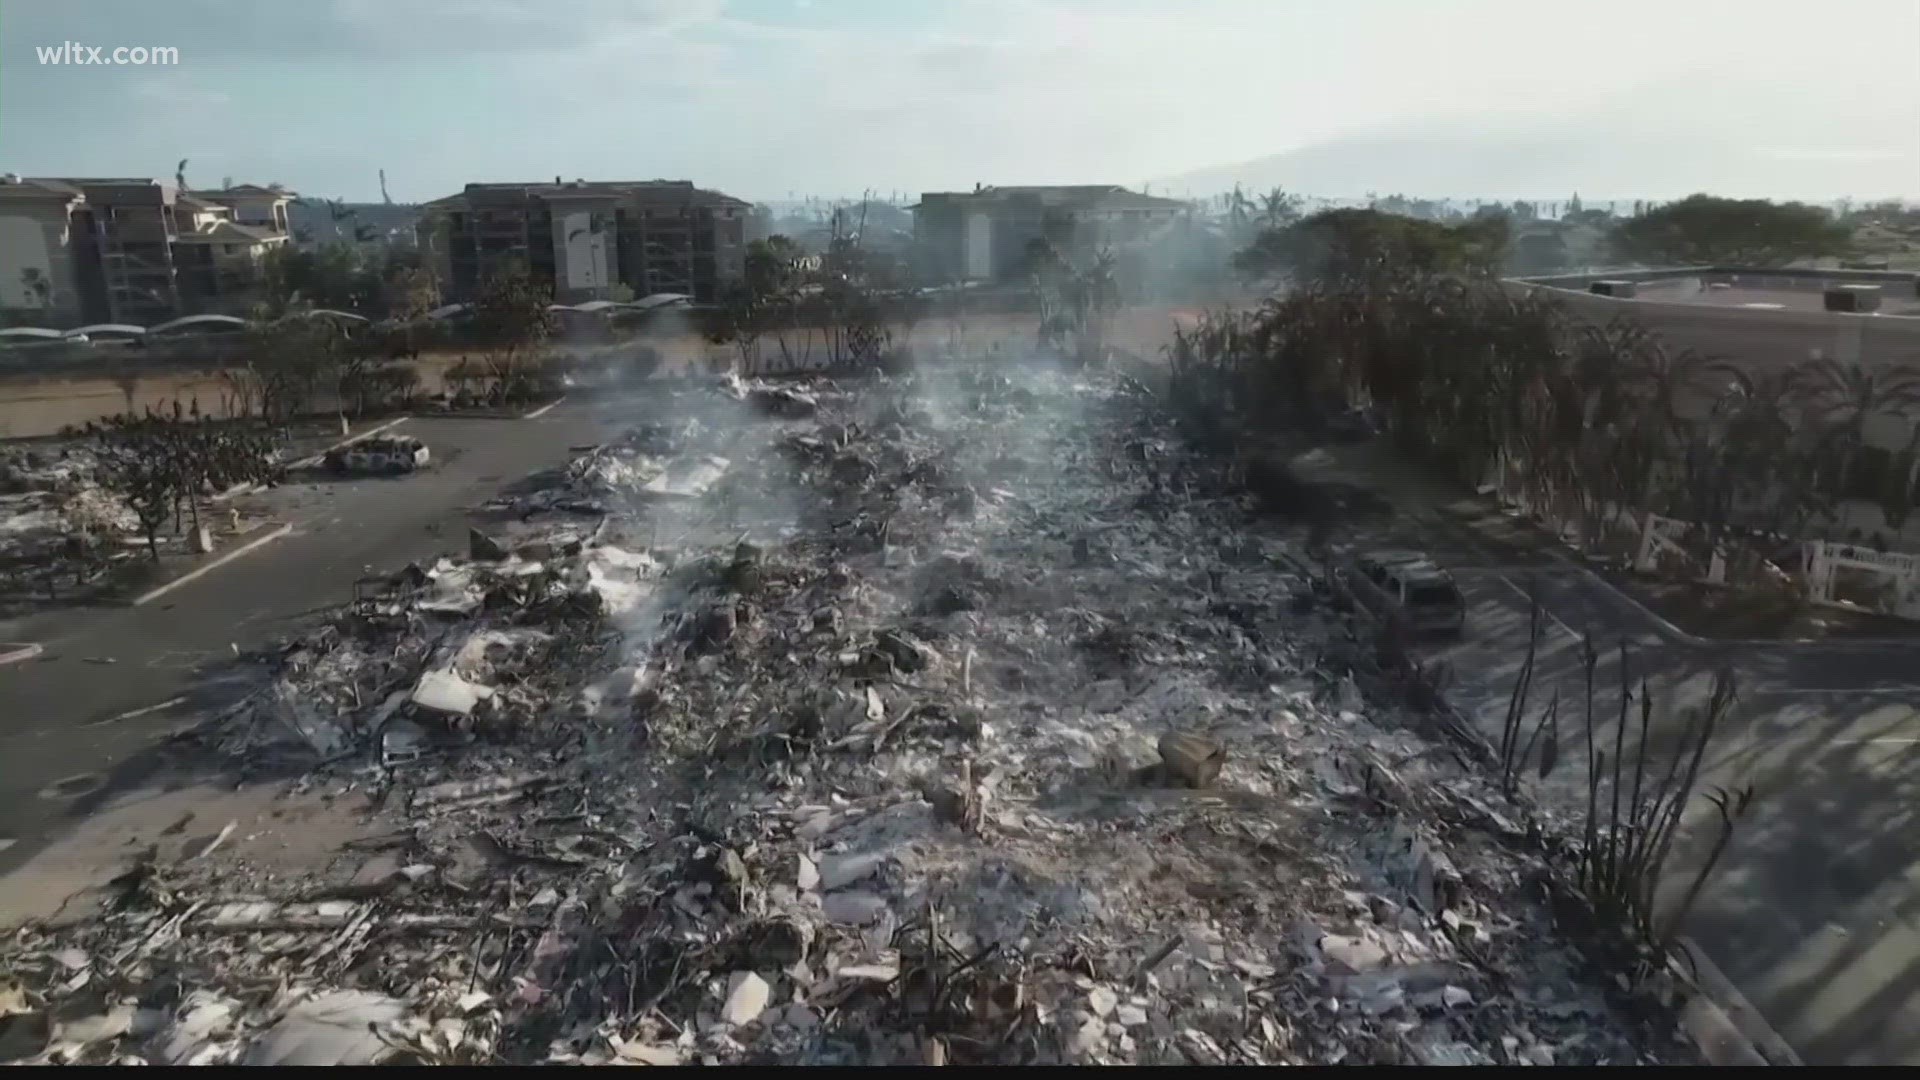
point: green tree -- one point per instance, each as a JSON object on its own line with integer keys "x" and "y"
{"x": 511, "y": 316}
{"x": 1369, "y": 243}
{"x": 410, "y": 293}
{"x": 1277, "y": 208}
{"x": 288, "y": 360}
{"x": 1702, "y": 230}
{"x": 335, "y": 276}
{"x": 1841, "y": 400}
{"x": 775, "y": 268}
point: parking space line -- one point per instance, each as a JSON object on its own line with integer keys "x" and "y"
{"x": 194, "y": 575}
{"x": 544, "y": 409}
{"x": 1544, "y": 609}
{"x": 1811, "y": 691}
{"x": 1887, "y": 741}
{"x": 132, "y": 714}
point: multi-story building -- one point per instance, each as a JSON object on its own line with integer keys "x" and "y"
{"x": 652, "y": 236}
{"x": 984, "y": 235}
{"x": 85, "y": 250}
{"x": 254, "y": 206}
{"x": 50, "y": 268}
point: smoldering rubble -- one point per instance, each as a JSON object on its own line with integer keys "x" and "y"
{"x": 965, "y": 717}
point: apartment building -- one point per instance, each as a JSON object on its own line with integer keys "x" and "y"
{"x": 983, "y": 235}
{"x": 585, "y": 237}
{"x": 50, "y": 268}
{"x": 77, "y": 250}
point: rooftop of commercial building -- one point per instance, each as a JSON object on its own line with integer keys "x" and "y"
{"x": 1893, "y": 301}
{"x": 1060, "y": 196}
{"x": 663, "y": 190}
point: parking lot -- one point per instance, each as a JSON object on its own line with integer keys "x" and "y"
{"x": 110, "y": 677}
{"x": 1812, "y": 910}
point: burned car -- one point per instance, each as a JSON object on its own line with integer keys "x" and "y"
{"x": 1408, "y": 586}
{"x": 384, "y": 456}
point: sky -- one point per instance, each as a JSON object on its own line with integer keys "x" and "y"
{"x": 763, "y": 98}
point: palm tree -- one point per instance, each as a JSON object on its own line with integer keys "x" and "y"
{"x": 1842, "y": 399}
{"x": 1761, "y": 461}
{"x": 1895, "y": 494}
{"x": 1277, "y": 208}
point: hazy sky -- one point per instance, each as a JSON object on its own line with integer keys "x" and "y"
{"x": 763, "y": 97}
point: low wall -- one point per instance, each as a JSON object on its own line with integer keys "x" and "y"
{"x": 1756, "y": 277}
{"x": 39, "y": 397}
{"x": 1757, "y": 339}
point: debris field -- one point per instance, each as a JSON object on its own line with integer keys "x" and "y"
{"x": 961, "y": 717}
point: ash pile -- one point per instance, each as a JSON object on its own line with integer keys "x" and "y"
{"x": 50, "y": 493}
{"x": 958, "y": 718}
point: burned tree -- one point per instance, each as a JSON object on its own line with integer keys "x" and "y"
{"x": 135, "y": 466}
{"x": 160, "y": 466}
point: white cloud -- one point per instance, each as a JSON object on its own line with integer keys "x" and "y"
{"x": 943, "y": 95}
{"x": 1808, "y": 153}
{"x": 178, "y": 94}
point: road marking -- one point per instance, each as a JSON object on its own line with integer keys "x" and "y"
{"x": 1544, "y": 610}
{"x": 309, "y": 462}
{"x": 14, "y": 652}
{"x": 1888, "y": 741}
{"x": 315, "y": 459}
{"x": 133, "y": 713}
{"x": 1830, "y": 690}
{"x": 544, "y": 409}
{"x": 1597, "y": 578}
{"x": 216, "y": 564}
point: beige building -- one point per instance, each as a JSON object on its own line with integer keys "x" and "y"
{"x": 586, "y": 237}
{"x": 256, "y": 207}
{"x": 983, "y": 235}
{"x": 46, "y": 235}
{"x": 77, "y": 250}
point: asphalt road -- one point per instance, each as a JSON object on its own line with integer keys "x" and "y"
{"x": 59, "y": 736}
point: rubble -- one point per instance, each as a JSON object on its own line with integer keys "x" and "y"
{"x": 798, "y": 765}
{"x": 1191, "y": 759}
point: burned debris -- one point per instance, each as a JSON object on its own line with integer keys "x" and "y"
{"x": 801, "y": 764}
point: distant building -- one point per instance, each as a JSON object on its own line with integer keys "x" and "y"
{"x": 652, "y": 236}
{"x": 253, "y": 206}
{"x": 132, "y": 250}
{"x": 374, "y": 229}
{"x": 985, "y": 234}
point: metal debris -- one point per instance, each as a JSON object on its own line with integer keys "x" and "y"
{"x": 832, "y": 755}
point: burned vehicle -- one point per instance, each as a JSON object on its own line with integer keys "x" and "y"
{"x": 1406, "y": 586}
{"x": 384, "y": 456}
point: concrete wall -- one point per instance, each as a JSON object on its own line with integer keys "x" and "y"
{"x": 41, "y": 401}
{"x": 582, "y": 243}
{"x": 979, "y": 245}
{"x": 1772, "y": 277}
{"x": 34, "y": 238}
{"x": 1766, "y": 340}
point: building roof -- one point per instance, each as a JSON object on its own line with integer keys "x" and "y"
{"x": 1058, "y": 196}
{"x": 230, "y": 232}
{"x": 645, "y": 190}
{"x": 133, "y": 191}
{"x": 38, "y": 189}
{"x": 244, "y": 191}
